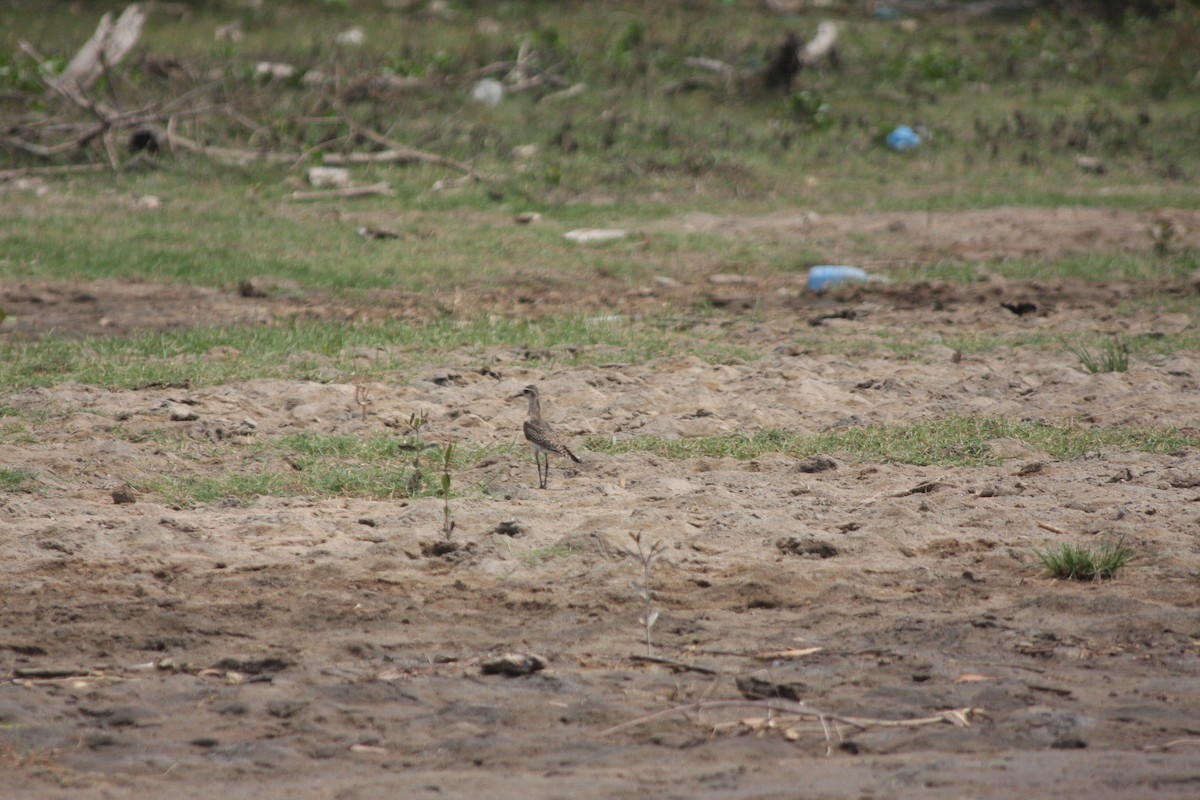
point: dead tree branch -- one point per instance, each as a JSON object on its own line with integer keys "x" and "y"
{"x": 380, "y": 188}
{"x": 958, "y": 717}
{"x": 107, "y": 47}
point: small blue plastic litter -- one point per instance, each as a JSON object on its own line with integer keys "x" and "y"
{"x": 903, "y": 138}
{"x": 829, "y": 275}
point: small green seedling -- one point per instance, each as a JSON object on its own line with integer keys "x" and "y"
{"x": 642, "y": 589}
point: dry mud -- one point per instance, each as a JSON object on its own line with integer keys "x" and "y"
{"x": 304, "y": 647}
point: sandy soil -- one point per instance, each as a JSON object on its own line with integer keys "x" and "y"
{"x": 303, "y": 647}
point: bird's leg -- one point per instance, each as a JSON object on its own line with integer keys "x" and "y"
{"x": 543, "y": 469}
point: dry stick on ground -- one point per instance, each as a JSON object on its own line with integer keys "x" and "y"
{"x": 362, "y": 395}
{"x": 1170, "y": 744}
{"x": 30, "y": 172}
{"x": 108, "y": 45}
{"x": 1046, "y": 526}
{"x": 670, "y": 662}
{"x": 373, "y": 189}
{"x": 958, "y": 717}
{"x": 110, "y": 119}
{"x": 647, "y": 558}
{"x": 396, "y": 152}
{"x": 228, "y": 155}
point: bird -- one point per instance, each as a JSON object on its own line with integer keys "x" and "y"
{"x": 541, "y": 437}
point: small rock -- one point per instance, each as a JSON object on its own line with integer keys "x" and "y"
{"x": 726, "y": 279}
{"x": 527, "y": 217}
{"x": 514, "y": 664}
{"x": 595, "y": 235}
{"x": 794, "y": 545}
{"x": 1090, "y": 165}
{"x": 269, "y": 69}
{"x": 328, "y": 176}
{"x": 182, "y": 413}
{"x": 229, "y": 33}
{"x": 285, "y": 709}
{"x": 509, "y": 527}
{"x": 818, "y": 463}
{"x": 123, "y": 496}
{"x": 369, "y": 233}
{"x": 488, "y": 92}
{"x": 1068, "y": 742}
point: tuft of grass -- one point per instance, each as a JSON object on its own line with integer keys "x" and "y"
{"x": 1113, "y": 356}
{"x": 1080, "y": 563}
{"x": 15, "y": 480}
{"x": 541, "y": 555}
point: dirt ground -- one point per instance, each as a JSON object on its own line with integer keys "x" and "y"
{"x": 300, "y": 647}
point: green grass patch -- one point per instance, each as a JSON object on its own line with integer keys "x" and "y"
{"x": 321, "y": 351}
{"x": 1134, "y": 266}
{"x": 956, "y": 441}
{"x": 377, "y": 467}
{"x": 15, "y": 480}
{"x": 535, "y": 558}
{"x": 1080, "y": 563}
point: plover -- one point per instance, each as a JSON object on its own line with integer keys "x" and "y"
{"x": 542, "y": 438}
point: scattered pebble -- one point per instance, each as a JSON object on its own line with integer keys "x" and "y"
{"x": 182, "y": 413}
{"x": 514, "y": 664}
{"x": 328, "y": 176}
{"x": 595, "y": 235}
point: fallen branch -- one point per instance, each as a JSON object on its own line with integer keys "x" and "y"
{"x": 670, "y": 662}
{"x": 1173, "y": 743}
{"x": 823, "y": 45}
{"x": 229, "y": 155}
{"x": 711, "y": 64}
{"x": 958, "y": 717}
{"x": 374, "y": 189}
{"x": 1046, "y": 526}
{"x": 107, "y": 47}
{"x": 30, "y": 172}
{"x": 397, "y": 155}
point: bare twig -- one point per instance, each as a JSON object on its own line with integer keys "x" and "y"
{"x": 397, "y": 154}
{"x": 647, "y": 559}
{"x": 823, "y": 45}
{"x": 109, "y": 44}
{"x": 670, "y": 662}
{"x": 362, "y": 396}
{"x": 373, "y": 189}
{"x": 712, "y": 65}
{"x": 69, "y": 169}
{"x": 1172, "y": 743}
{"x": 229, "y": 155}
{"x": 1046, "y": 526}
{"x": 958, "y": 717}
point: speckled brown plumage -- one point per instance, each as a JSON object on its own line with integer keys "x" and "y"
{"x": 542, "y": 438}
